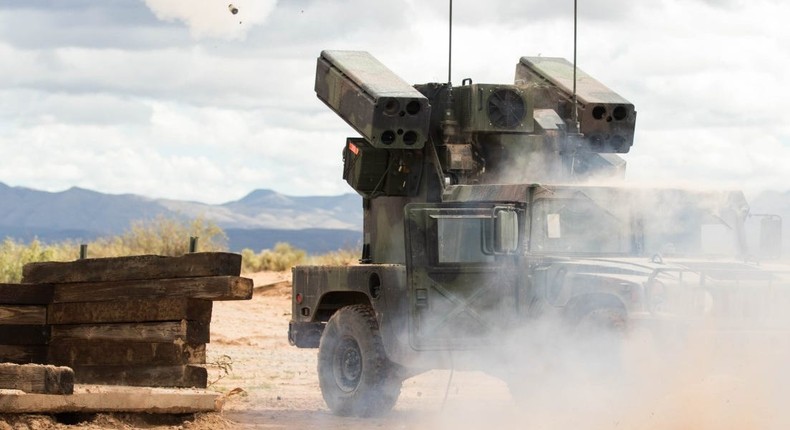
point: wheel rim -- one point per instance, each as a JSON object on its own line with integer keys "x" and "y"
{"x": 347, "y": 364}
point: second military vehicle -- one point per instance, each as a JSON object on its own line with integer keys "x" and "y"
{"x": 481, "y": 217}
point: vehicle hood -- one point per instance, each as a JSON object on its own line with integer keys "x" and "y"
{"x": 678, "y": 287}
{"x": 634, "y": 268}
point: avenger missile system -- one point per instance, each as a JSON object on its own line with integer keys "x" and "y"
{"x": 479, "y": 221}
{"x": 474, "y": 133}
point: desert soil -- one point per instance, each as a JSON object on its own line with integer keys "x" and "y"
{"x": 280, "y": 384}
{"x": 273, "y": 385}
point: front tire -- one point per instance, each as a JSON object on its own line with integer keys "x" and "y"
{"x": 600, "y": 334}
{"x": 354, "y": 373}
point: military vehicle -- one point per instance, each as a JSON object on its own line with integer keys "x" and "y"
{"x": 480, "y": 218}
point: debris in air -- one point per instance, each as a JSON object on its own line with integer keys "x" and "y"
{"x": 233, "y": 9}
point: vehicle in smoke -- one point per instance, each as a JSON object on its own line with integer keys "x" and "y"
{"x": 479, "y": 219}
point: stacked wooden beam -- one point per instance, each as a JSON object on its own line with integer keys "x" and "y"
{"x": 141, "y": 321}
{"x": 36, "y": 378}
{"x": 24, "y": 333}
{"x": 104, "y": 398}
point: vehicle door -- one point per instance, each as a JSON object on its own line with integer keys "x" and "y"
{"x": 461, "y": 265}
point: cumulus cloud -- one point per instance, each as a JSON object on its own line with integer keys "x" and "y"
{"x": 213, "y": 18}
{"x": 182, "y": 83}
{"x": 205, "y": 154}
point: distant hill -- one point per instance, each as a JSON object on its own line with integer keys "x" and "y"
{"x": 315, "y": 240}
{"x": 257, "y": 221}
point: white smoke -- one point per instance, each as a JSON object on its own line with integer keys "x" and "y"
{"x": 213, "y": 19}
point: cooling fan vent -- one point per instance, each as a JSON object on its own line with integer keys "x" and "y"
{"x": 506, "y": 108}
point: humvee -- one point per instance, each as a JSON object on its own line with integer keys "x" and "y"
{"x": 488, "y": 207}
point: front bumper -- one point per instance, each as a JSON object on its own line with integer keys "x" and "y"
{"x": 305, "y": 334}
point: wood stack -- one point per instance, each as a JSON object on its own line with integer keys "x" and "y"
{"x": 141, "y": 321}
{"x": 37, "y": 378}
{"x": 24, "y": 333}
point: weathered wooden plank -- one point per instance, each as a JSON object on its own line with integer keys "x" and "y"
{"x": 143, "y": 376}
{"x": 134, "y": 268}
{"x": 24, "y": 334}
{"x": 25, "y": 294}
{"x": 37, "y": 378}
{"x": 23, "y": 354}
{"x": 95, "y": 399}
{"x": 23, "y": 314}
{"x": 162, "y": 332}
{"x": 210, "y": 288}
{"x": 103, "y": 353}
{"x": 132, "y": 310}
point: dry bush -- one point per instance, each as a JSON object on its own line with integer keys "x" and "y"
{"x": 282, "y": 257}
{"x": 14, "y": 255}
{"x": 163, "y": 236}
{"x": 341, "y": 257}
{"x": 160, "y": 236}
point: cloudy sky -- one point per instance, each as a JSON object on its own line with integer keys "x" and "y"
{"x": 182, "y": 99}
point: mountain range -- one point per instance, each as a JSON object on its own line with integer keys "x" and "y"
{"x": 257, "y": 221}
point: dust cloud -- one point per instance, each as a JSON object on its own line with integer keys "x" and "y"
{"x": 710, "y": 353}
{"x": 701, "y": 385}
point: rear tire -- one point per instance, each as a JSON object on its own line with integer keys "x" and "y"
{"x": 354, "y": 373}
{"x": 603, "y": 320}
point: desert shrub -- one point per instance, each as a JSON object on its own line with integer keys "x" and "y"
{"x": 341, "y": 257}
{"x": 282, "y": 257}
{"x": 160, "y": 236}
{"x": 14, "y": 255}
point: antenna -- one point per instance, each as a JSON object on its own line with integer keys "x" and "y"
{"x": 450, "y": 49}
{"x": 449, "y": 123}
{"x": 575, "y": 106}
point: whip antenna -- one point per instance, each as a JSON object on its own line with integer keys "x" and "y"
{"x": 449, "y": 123}
{"x": 575, "y": 106}
{"x": 450, "y": 49}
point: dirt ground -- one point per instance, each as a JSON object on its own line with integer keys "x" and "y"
{"x": 269, "y": 384}
{"x": 279, "y": 382}
{"x": 273, "y": 385}
{"x": 280, "y": 385}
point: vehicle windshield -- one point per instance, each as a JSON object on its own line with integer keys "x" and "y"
{"x": 637, "y": 222}
{"x": 578, "y": 225}
{"x": 686, "y": 223}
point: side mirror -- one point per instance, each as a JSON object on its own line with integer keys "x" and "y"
{"x": 505, "y": 230}
{"x": 771, "y": 236}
